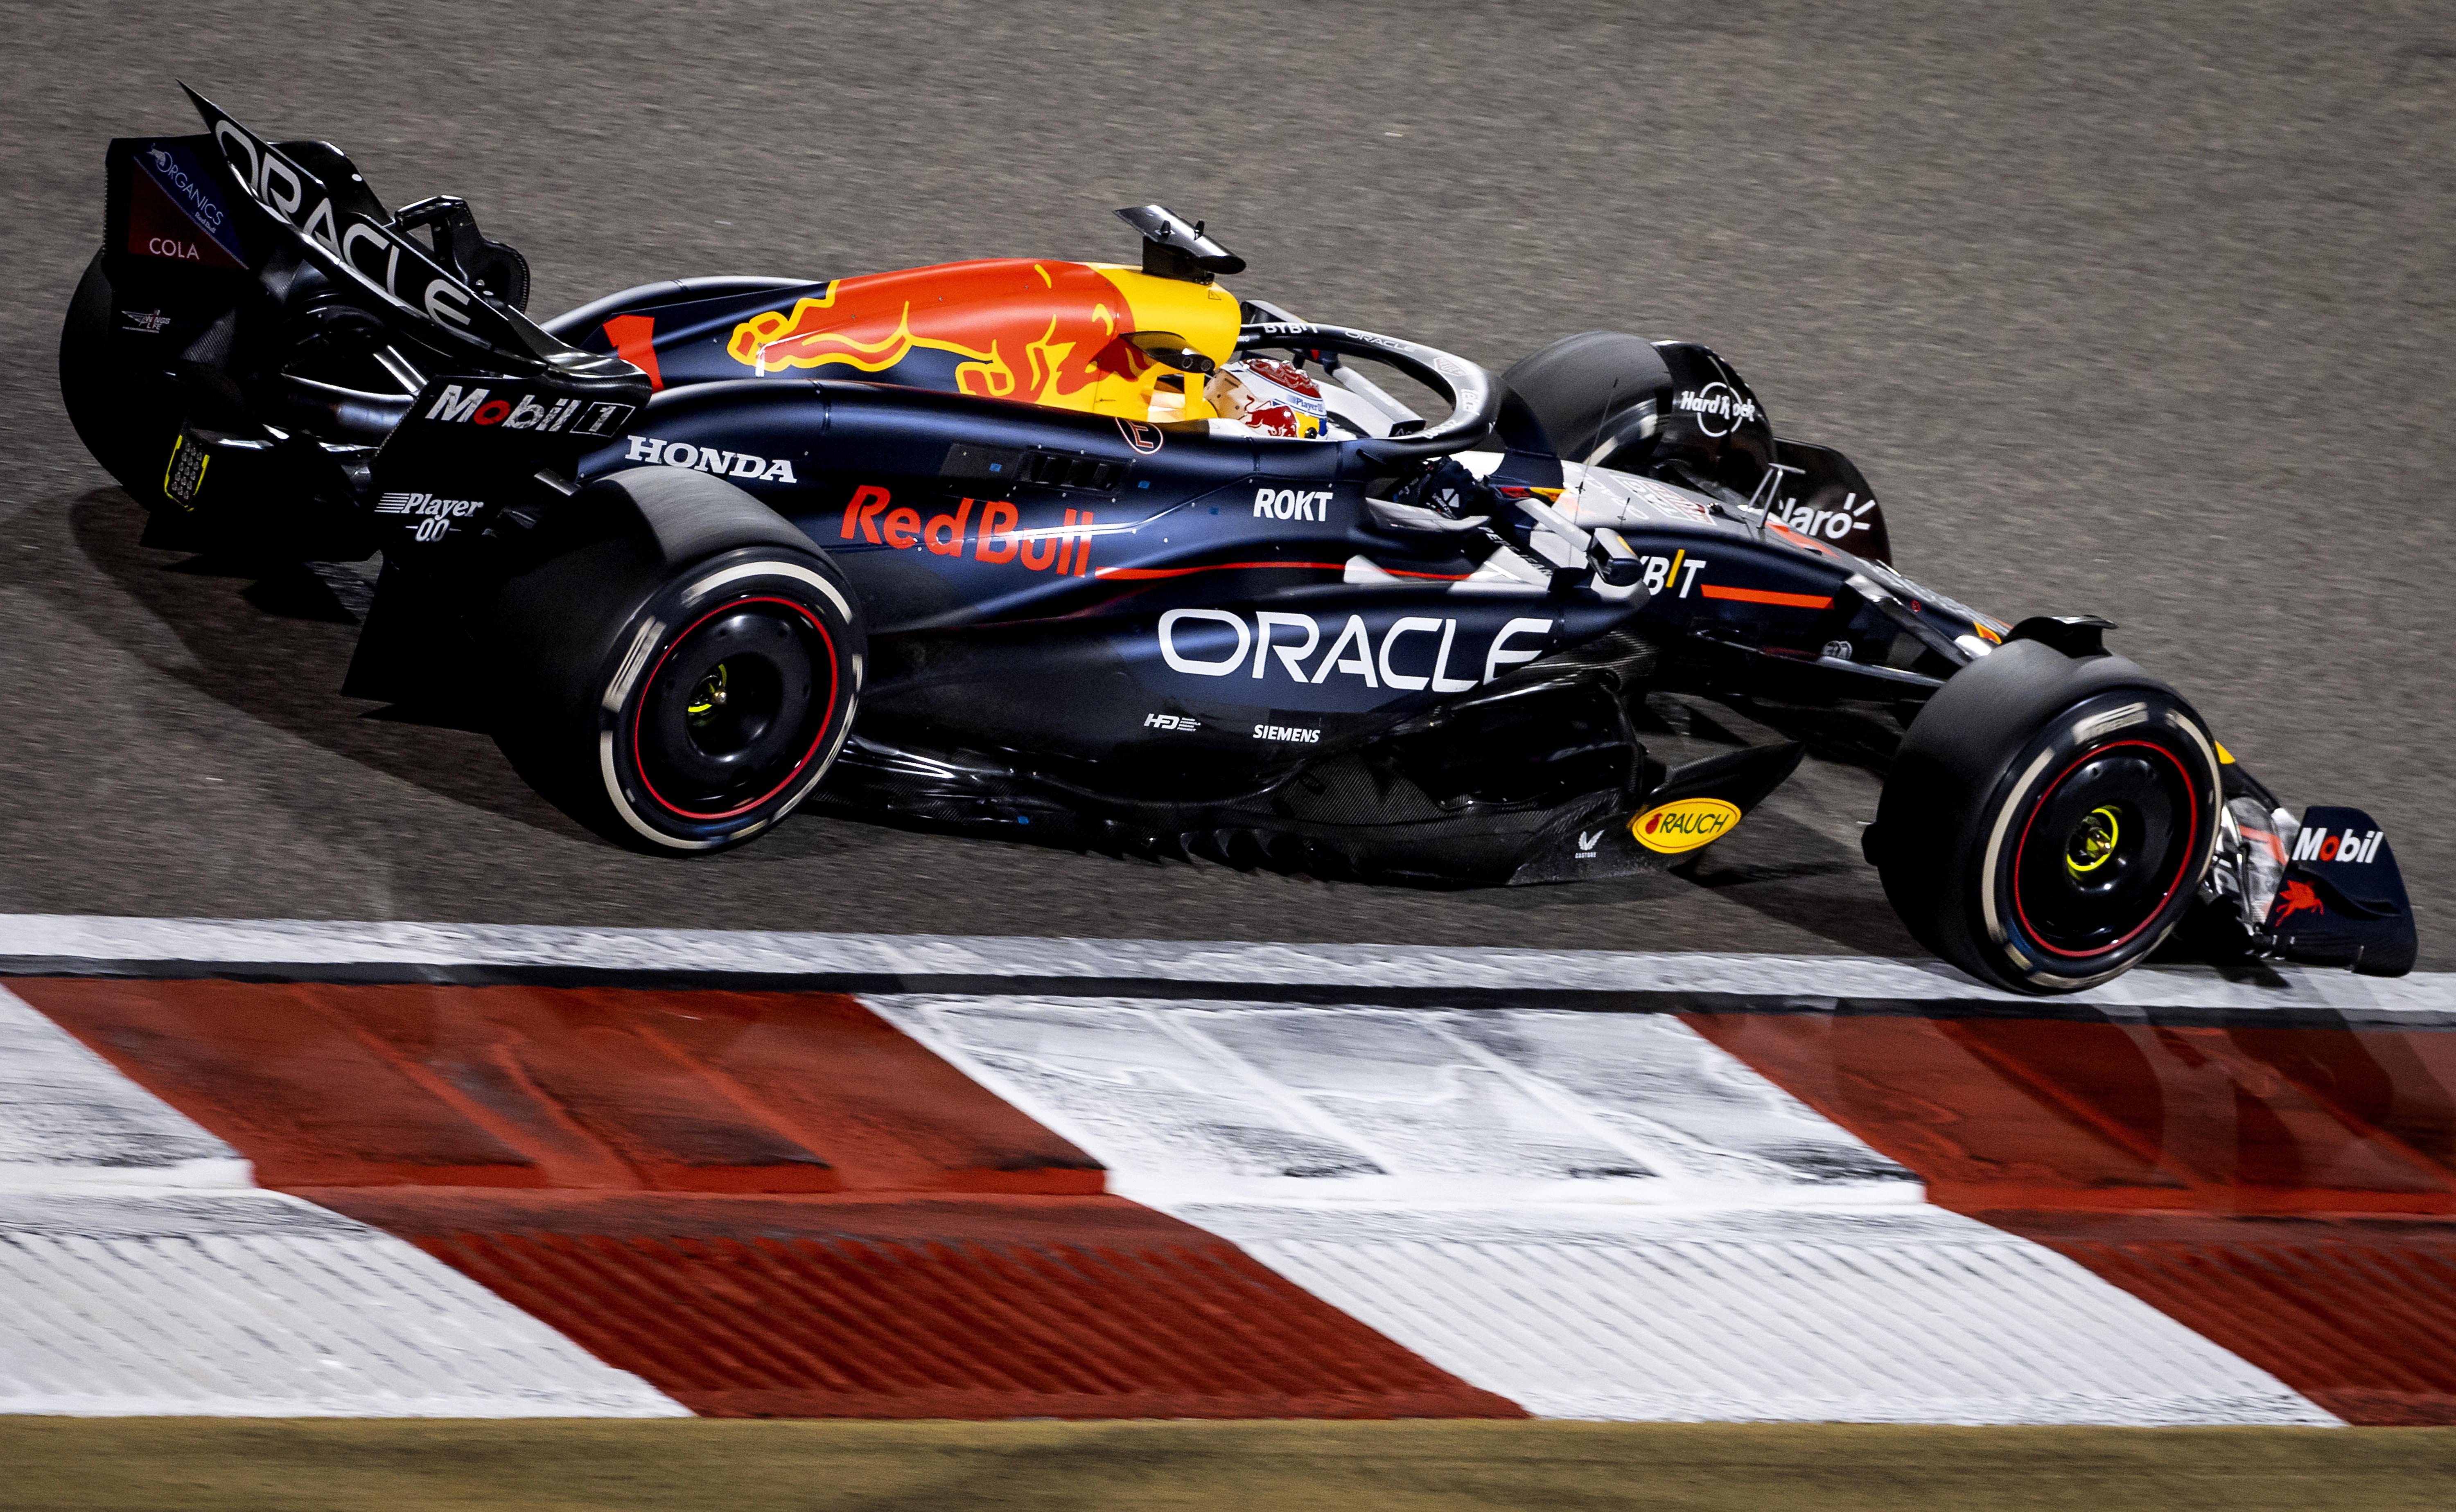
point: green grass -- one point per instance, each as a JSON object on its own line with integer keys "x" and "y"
{"x": 272, "y": 1465}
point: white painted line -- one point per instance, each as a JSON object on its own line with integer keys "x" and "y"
{"x": 1596, "y": 1216}
{"x": 29, "y": 942}
{"x": 141, "y": 1272}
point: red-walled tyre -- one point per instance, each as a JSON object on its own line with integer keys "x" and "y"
{"x": 681, "y": 709}
{"x": 2049, "y": 818}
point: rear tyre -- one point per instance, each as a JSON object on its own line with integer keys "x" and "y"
{"x": 126, "y": 417}
{"x": 679, "y": 709}
{"x": 2049, "y": 818}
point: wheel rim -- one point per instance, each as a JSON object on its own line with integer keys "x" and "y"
{"x": 735, "y": 708}
{"x": 2095, "y": 842}
{"x": 2106, "y": 848}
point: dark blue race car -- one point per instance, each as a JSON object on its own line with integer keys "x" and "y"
{"x": 1101, "y": 555}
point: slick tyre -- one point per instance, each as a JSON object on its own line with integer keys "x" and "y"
{"x": 2048, "y": 819}
{"x": 126, "y": 415}
{"x": 680, "y": 710}
{"x": 1590, "y": 393}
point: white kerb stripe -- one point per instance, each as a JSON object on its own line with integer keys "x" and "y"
{"x": 1593, "y": 1214}
{"x": 1810, "y": 979}
{"x": 142, "y": 1273}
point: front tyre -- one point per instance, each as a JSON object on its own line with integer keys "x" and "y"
{"x": 696, "y": 712}
{"x": 2049, "y": 818}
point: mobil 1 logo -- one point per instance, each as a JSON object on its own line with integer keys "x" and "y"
{"x": 517, "y": 408}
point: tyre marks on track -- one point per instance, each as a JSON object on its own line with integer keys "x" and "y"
{"x": 1596, "y": 1216}
{"x": 572, "y": 1089}
{"x": 761, "y": 1203}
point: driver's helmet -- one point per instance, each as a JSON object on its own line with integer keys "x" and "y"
{"x": 1273, "y": 398}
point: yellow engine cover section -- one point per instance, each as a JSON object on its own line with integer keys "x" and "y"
{"x": 1009, "y": 328}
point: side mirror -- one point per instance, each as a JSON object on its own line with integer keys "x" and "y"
{"x": 1170, "y": 350}
{"x": 1173, "y": 249}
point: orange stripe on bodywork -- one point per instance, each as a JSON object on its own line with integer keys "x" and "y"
{"x": 634, "y": 338}
{"x": 1811, "y": 542}
{"x": 1790, "y": 600}
{"x": 1142, "y": 574}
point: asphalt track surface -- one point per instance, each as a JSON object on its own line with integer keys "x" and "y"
{"x": 2146, "y": 311}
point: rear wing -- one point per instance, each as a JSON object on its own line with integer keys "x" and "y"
{"x": 341, "y": 229}
{"x": 240, "y": 238}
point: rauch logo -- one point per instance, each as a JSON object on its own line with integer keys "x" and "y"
{"x": 1684, "y": 825}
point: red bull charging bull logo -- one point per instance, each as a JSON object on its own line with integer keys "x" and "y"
{"x": 1046, "y": 332}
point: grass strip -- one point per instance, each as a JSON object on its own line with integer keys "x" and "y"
{"x": 200, "y": 1465}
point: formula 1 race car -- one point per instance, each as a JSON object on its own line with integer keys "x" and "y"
{"x": 1101, "y": 555}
